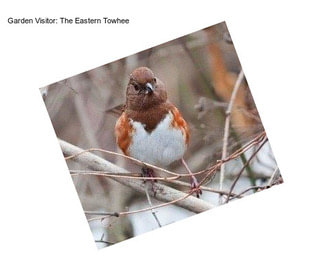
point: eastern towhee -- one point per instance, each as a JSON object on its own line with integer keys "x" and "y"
{"x": 150, "y": 128}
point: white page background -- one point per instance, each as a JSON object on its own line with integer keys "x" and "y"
{"x": 279, "y": 45}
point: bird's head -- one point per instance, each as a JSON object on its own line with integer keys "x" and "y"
{"x": 144, "y": 90}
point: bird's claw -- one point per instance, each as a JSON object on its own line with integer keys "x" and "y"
{"x": 148, "y": 172}
{"x": 196, "y": 187}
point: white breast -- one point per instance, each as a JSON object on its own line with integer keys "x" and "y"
{"x": 161, "y": 147}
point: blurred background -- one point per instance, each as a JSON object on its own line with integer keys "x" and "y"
{"x": 199, "y": 71}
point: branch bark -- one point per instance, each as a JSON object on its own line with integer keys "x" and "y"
{"x": 164, "y": 193}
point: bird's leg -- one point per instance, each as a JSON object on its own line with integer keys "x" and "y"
{"x": 194, "y": 182}
{"x": 148, "y": 172}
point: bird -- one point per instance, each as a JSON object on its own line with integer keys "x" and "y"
{"x": 151, "y": 128}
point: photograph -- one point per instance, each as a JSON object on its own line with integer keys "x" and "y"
{"x": 161, "y": 135}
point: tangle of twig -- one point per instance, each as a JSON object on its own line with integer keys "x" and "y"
{"x": 104, "y": 215}
{"x": 174, "y": 178}
{"x": 244, "y": 166}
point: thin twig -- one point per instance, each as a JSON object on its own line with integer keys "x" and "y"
{"x": 257, "y": 188}
{"x": 244, "y": 167}
{"x": 124, "y": 175}
{"x": 194, "y": 182}
{"x": 105, "y": 215}
{"x": 116, "y": 214}
{"x": 138, "y": 162}
{"x": 227, "y": 127}
{"x": 150, "y": 204}
{"x": 137, "y": 176}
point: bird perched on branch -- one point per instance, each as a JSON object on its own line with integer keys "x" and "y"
{"x": 150, "y": 128}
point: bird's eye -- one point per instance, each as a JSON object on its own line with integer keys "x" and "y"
{"x": 155, "y": 80}
{"x": 136, "y": 87}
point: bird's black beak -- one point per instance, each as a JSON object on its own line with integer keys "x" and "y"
{"x": 149, "y": 88}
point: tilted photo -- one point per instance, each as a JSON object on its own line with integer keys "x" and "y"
{"x": 161, "y": 135}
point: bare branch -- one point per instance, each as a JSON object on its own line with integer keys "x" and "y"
{"x": 164, "y": 193}
{"x": 138, "y": 162}
{"x": 227, "y": 126}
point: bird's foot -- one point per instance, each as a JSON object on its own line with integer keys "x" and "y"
{"x": 195, "y": 186}
{"x": 148, "y": 172}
